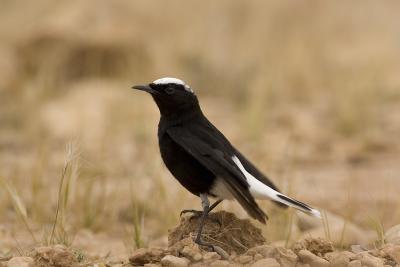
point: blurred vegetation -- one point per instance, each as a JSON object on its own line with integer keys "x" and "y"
{"x": 309, "y": 90}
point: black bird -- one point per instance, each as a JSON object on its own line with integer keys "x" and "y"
{"x": 202, "y": 159}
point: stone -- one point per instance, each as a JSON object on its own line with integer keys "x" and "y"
{"x": 286, "y": 257}
{"x": 355, "y": 263}
{"x": 393, "y": 235}
{"x": 172, "y": 261}
{"x": 318, "y": 246}
{"x": 244, "y": 259}
{"x": 192, "y": 252}
{"x": 312, "y": 259}
{"x": 147, "y": 255}
{"x": 266, "y": 251}
{"x": 339, "y": 258}
{"x": 257, "y": 257}
{"x": 368, "y": 260}
{"x": 269, "y": 262}
{"x": 391, "y": 251}
{"x": 357, "y": 248}
{"x": 340, "y": 261}
{"x": 211, "y": 256}
{"x": 58, "y": 255}
{"x": 220, "y": 263}
{"x": 21, "y": 262}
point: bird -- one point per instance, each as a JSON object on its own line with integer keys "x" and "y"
{"x": 204, "y": 161}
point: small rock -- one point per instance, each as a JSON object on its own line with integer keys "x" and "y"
{"x": 269, "y": 262}
{"x": 192, "y": 252}
{"x": 143, "y": 256}
{"x": 368, "y": 260}
{"x": 140, "y": 256}
{"x": 172, "y": 261}
{"x": 244, "y": 259}
{"x": 21, "y": 262}
{"x": 355, "y": 263}
{"x": 219, "y": 263}
{"x": 151, "y": 265}
{"x": 312, "y": 259}
{"x": 393, "y": 235}
{"x": 357, "y": 248}
{"x": 340, "y": 258}
{"x": 286, "y": 257}
{"x": 58, "y": 255}
{"x": 340, "y": 261}
{"x": 392, "y": 251}
{"x": 266, "y": 251}
{"x": 211, "y": 256}
{"x": 318, "y": 246}
{"x": 258, "y": 257}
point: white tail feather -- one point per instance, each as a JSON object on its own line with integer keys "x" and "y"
{"x": 260, "y": 190}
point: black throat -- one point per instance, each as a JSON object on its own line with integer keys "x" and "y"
{"x": 175, "y": 115}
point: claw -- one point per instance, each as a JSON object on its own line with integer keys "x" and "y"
{"x": 199, "y": 213}
{"x": 195, "y": 212}
{"x": 224, "y": 255}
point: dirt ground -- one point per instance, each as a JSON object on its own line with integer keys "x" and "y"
{"x": 235, "y": 242}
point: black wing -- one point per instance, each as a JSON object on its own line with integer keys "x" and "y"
{"x": 209, "y": 151}
{"x": 245, "y": 162}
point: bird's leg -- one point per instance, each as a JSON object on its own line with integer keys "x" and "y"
{"x": 199, "y": 212}
{"x": 214, "y": 205}
{"x": 206, "y": 209}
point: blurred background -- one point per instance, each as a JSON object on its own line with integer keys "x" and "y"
{"x": 309, "y": 90}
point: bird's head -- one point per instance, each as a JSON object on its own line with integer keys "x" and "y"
{"x": 171, "y": 95}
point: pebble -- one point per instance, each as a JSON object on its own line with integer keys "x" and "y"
{"x": 191, "y": 253}
{"x": 21, "y": 262}
{"x": 172, "y": 261}
{"x": 269, "y": 262}
{"x": 340, "y": 258}
{"x": 286, "y": 257}
{"x": 143, "y": 256}
{"x": 312, "y": 259}
{"x": 258, "y": 257}
{"x": 393, "y": 235}
{"x": 220, "y": 263}
{"x": 355, "y": 263}
{"x": 393, "y": 251}
{"x": 245, "y": 259}
{"x": 211, "y": 256}
{"x": 368, "y": 260}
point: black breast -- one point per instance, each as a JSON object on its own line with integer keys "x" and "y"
{"x": 184, "y": 167}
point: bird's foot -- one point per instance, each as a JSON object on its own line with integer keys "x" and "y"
{"x": 196, "y": 213}
{"x": 224, "y": 255}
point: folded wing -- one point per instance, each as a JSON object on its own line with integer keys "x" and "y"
{"x": 213, "y": 155}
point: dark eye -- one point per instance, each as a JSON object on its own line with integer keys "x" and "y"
{"x": 170, "y": 90}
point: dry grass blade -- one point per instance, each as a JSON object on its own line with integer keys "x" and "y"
{"x": 63, "y": 194}
{"x": 380, "y": 231}
{"x": 325, "y": 223}
{"x": 19, "y": 206}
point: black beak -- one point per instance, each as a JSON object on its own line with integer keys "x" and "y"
{"x": 145, "y": 88}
